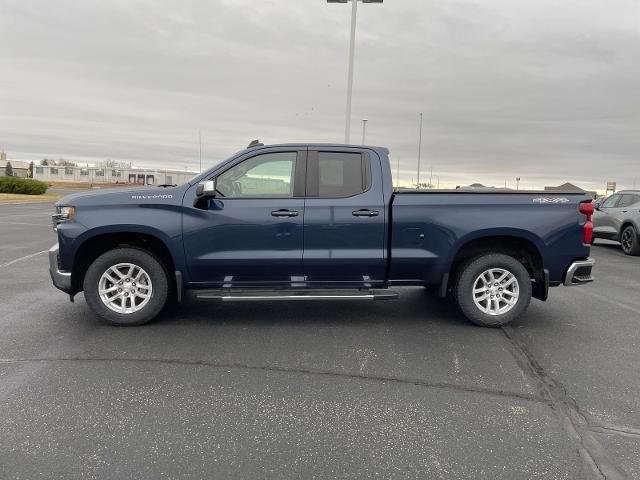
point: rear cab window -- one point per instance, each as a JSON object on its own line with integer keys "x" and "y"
{"x": 338, "y": 174}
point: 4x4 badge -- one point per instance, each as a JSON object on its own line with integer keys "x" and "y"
{"x": 551, "y": 200}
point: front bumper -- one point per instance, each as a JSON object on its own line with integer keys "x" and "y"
{"x": 61, "y": 280}
{"x": 579, "y": 272}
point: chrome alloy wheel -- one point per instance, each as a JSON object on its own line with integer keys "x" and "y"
{"x": 496, "y": 291}
{"x": 125, "y": 288}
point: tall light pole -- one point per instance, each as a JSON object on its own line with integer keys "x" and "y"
{"x": 364, "y": 129}
{"x": 398, "y": 173}
{"x": 419, "y": 149}
{"x": 517, "y": 183}
{"x": 352, "y": 46}
{"x": 200, "y": 142}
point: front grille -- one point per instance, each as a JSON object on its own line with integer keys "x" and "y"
{"x": 57, "y": 220}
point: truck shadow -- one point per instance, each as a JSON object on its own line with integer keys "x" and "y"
{"x": 414, "y": 305}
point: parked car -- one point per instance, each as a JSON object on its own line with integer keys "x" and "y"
{"x": 618, "y": 218}
{"x": 316, "y": 222}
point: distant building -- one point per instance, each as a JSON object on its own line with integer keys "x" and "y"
{"x": 570, "y": 187}
{"x": 20, "y": 168}
{"x": 97, "y": 175}
{"x": 479, "y": 186}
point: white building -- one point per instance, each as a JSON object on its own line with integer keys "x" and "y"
{"x": 97, "y": 175}
{"x": 20, "y": 168}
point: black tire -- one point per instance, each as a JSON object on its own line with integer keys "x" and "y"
{"x": 470, "y": 273}
{"x": 629, "y": 241}
{"x": 141, "y": 258}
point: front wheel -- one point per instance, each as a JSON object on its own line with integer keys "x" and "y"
{"x": 126, "y": 286}
{"x": 493, "y": 289}
{"x": 629, "y": 241}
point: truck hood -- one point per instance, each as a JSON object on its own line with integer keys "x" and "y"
{"x": 107, "y": 196}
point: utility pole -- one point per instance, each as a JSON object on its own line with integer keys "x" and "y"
{"x": 200, "y": 141}
{"x": 517, "y": 183}
{"x": 431, "y": 178}
{"x": 364, "y": 129}
{"x": 398, "y": 173}
{"x": 419, "y": 149}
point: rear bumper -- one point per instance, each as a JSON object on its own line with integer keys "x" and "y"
{"x": 60, "y": 279}
{"x": 579, "y": 272}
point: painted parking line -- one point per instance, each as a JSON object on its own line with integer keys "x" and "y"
{"x": 24, "y": 223}
{"x": 26, "y": 257}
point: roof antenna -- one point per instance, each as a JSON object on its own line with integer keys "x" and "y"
{"x": 255, "y": 143}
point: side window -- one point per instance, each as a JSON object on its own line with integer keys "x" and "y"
{"x": 270, "y": 175}
{"x": 339, "y": 174}
{"x": 627, "y": 200}
{"x": 610, "y": 202}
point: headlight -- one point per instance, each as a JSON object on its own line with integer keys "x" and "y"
{"x": 66, "y": 212}
{"x": 62, "y": 214}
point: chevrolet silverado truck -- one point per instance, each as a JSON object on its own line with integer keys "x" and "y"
{"x": 316, "y": 222}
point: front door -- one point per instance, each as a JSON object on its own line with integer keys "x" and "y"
{"x": 251, "y": 232}
{"x": 344, "y": 232}
{"x": 604, "y": 220}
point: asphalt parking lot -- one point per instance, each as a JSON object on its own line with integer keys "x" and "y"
{"x": 401, "y": 389}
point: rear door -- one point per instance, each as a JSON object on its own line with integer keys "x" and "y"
{"x": 344, "y": 231}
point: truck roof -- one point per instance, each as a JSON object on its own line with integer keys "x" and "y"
{"x": 320, "y": 145}
{"x": 485, "y": 191}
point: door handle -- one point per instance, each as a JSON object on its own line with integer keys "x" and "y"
{"x": 284, "y": 213}
{"x": 363, "y": 212}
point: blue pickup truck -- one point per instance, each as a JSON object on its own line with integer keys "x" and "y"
{"x": 315, "y": 222}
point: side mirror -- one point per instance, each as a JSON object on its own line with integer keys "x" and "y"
{"x": 206, "y": 189}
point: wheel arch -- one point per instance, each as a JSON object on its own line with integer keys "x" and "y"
{"x": 95, "y": 244}
{"x": 524, "y": 249}
{"x": 628, "y": 223}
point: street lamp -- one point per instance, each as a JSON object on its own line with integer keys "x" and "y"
{"x": 419, "y": 149}
{"x": 364, "y": 129}
{"x": 517, "y": 183}
{"x": 354, "y": 13}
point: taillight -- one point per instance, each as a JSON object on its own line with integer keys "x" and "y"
{"x": 587, "y": 234}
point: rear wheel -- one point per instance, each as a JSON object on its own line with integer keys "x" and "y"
{"x": 629, "y": 241}
{"x": 126, "y": 286}
{"x": 493, "y": 289}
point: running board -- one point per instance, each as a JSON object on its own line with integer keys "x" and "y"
{"x": 272, "y": 295}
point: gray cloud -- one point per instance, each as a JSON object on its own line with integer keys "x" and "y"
{"x": 544, "y": 90}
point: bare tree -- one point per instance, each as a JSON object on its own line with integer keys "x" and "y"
{"x": 113, "y": 164}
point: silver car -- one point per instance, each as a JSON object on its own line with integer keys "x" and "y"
{"x": 618, "y": 218}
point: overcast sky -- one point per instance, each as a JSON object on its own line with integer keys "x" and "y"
{"x": 546, "y": 90}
